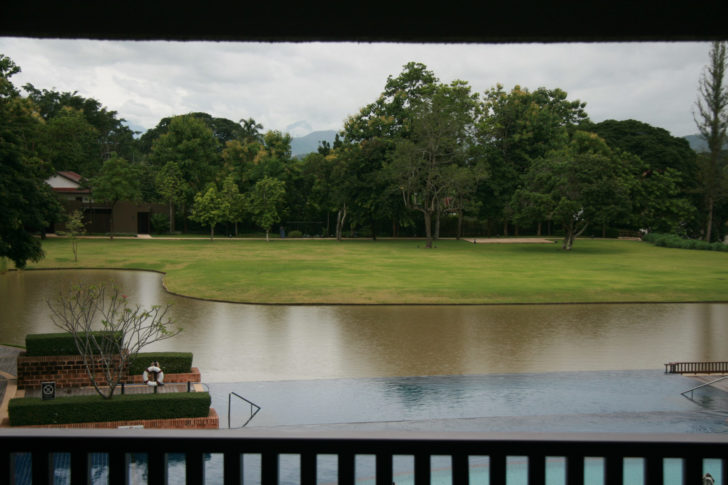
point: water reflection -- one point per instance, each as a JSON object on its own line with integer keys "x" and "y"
{"x": 234, "y": 342}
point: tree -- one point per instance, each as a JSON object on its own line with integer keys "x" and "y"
{"x": 516, "y": 128}
{"x": 712, "y": 122}
{"x": 431, "y": 166}
{"x": 210, "y": 208}
{"x": 583, "y": 183}
{"x": 264, "y": 203}
{"x": 107, "y": 331}
{"x": 233, "y": 201}
{"x": 75, "y": 226}
{"x": 117, "y": 181}
{"x": 190, "y": 144}
{"x": 172, "y": 186}
{"x": 28, "y": 204}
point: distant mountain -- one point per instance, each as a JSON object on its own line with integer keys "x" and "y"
{"x": 307, "y": 144}
{"x": 697, "y": 143}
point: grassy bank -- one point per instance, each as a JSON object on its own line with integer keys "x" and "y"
{"x": 325, "y": 271}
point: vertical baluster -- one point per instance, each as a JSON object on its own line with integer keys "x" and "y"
{"x": 384, "y": 468}
{"x": 653, "y": 470}
{"x": 347, "y": 468}
{"x": 269, "y": 468}
{"x": 575, "y": 470}
{"x": 41, "y": 467}
{"x": 614, "y": 470}
{"x": 497, "y": 468}
{"x": 194, "y": 467}
{"x": 308, "y": 468}
{"x": 118, "y": 467}
{"x": 232, "y": 467}
{"x": 536, "y": 469}
{"x": 460, "y": 469}
{"x": 693, "y": 470}
{"x": 79, "y": 467}
{"x": 157, "y": 467}
{"x": 422, "y": 469}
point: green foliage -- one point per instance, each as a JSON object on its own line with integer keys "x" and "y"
{"x": 117, "y": 181}
{"x": 28, "y": 203}
{"x": 170, "y": 362}
{"x": 295, "y": 233}
{"x": 159, "y": 223}
{"x": 210, "y": 208}
{"x": 673, "y": 241}
{"x": 90, "y": 409}
{"x": 75, "y": 226}
{"x": 264, "y": 202}
{"x": 56, "y": 343}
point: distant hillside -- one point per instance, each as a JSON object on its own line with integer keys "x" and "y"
{"x": 309, "y": 143}
{"x": 697, "y": 143}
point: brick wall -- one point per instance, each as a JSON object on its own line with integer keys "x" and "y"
{"x": 212, "y": 421}
{"x": 69, "y": 371}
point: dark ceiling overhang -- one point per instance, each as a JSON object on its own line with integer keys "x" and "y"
{"x": 393, "y": 21}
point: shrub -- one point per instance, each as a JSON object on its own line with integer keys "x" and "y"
{"x": 88, "y": 409}
{"x": 159, "y": 223}
{"x": 170, "y": 362}
{"x": 52, "y": 344}
{"x": 673, "y": 241}
{"x": 295, "y": 233}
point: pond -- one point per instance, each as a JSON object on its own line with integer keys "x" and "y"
{"x": 238, "y": 342}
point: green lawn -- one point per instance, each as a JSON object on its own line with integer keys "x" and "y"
{"x": 326, "y": 271}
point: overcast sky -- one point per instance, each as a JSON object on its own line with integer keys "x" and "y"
{"x": 321, "y": 84}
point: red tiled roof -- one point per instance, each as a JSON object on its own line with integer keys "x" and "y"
{"x": 71, "y": 176}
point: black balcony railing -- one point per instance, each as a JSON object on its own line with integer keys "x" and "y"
{"x": 696, "y": 368}
{"x": 233, "y": 444}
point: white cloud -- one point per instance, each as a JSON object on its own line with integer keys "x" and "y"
{"x": 279, "y": 84}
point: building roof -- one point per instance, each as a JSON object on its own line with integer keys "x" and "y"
{"x": 73, "y": 176}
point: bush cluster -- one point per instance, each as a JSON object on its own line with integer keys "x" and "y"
{"x": 170, "y": 362}
{"x": 673, "y": 241}
{"x": 88, "y": 409}
{"x": 53, "y": 344}
{"x": 295, "y": 233}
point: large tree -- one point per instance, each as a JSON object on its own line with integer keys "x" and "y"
{"x": 117, "y": 181}
{"x": 712, "y": 121}
{"x": 432, "y": 165}
{"x": 583, "y": 183}
{"x": 516, "y": 128}
{"x": 190, "y": 144}
{"x": 28, "y": 204}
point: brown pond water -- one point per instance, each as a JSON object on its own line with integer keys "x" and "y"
{"x": 236, "y": 342}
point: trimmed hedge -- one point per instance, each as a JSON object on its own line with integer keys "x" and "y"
{"x": 88, "y": 409}
{"x": 170, "y": 362}
{"x": 52, "y": 344}
{"x": 673, "y": 241}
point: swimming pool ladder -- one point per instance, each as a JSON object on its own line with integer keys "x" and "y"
{"x": 701, "y": 385}
{"x": 252, "y": 405}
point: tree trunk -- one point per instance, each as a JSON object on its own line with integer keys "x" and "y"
{"x": 171, "y": 217}
{"x": 374, "y": 230}
{"x": 709, "y": 227}
{"x": 340, "y": 218}
{"x": 328, "y": 224}
{"x": 437, "y": 225}
{"x": 212, "y": 232}
{"x": 505, "y": 227}
{"x": 538, "y": 230}
{"x": 266, "y": 235}
{"x": 236, "y": 229}
{"x": 460, "y": 225}
{"x": 428, "y": 229}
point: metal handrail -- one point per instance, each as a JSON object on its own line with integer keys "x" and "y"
{"x": 702, "y": 385}
{"x": 252, "y": 405}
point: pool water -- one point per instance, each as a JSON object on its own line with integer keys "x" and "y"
{"x": 645, "y": 401}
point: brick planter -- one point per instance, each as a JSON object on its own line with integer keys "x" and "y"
{"x": 69, "y": 371}
{"x": 212, "y": 421}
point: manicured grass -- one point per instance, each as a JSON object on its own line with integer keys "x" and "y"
{"x": 362, "y": 271}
